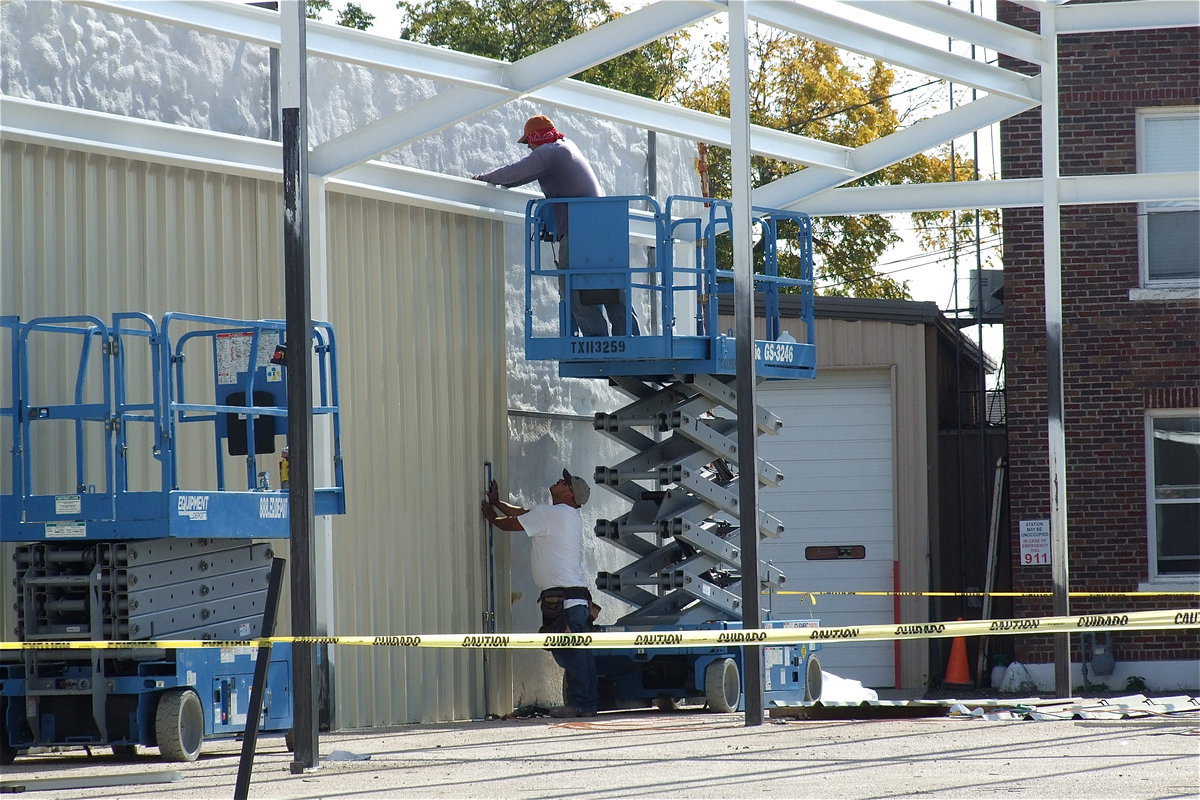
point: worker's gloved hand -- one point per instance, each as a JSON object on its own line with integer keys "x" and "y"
{"x": 493, "y": 493}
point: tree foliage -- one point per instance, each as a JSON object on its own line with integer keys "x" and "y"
{"x": 805, "y": 87}
{"x": 352, "y": 15}
{"x": 510, "y": 30}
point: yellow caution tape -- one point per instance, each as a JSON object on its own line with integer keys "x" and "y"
{"x": 1178, "y": 619}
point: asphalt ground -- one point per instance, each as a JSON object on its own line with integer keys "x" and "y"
{"x": 682, "y": 754}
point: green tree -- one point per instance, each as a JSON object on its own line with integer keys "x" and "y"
{"x": 510, "y": 30}
{"x": 351, "y": 16}
{"x": 805, "y": 87}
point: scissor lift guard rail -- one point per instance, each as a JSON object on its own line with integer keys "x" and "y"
{"x": 682, "y": 527}
{"x": 143, "y": 454}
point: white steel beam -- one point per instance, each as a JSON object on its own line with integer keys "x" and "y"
{"x": 343, "y": 44}
{"x": 689, "y": 124}
{"x": 962, "y": 25}
{"x": 602, "y": 43}
{"x": 1127, "y": 16}
{"x": 395, "y": 130}
{"x": 518, "y": 79}
{"x": 127, "y": 137}
{"x": 54, "y": 125}
{"x": 790, "y": 191}
{"x": 1010, "y": 193}
{"x": 818, "y": 20}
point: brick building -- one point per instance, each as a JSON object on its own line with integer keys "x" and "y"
{"x": 1129, "y": 102}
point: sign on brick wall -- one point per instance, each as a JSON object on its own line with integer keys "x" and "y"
{"x": 1035, "y": 542}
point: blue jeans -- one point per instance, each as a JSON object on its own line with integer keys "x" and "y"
{"x": 579, "y": 666}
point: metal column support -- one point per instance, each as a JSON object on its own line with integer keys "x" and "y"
{"x": 1056, "y": 431}
{"x": 298, "y": 300}
{"x": 743, "y": 306}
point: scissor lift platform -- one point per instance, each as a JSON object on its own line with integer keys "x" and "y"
{"x": 143, "y": 458}
{"x": 678, "y": 277}
{"x": 136, "y": 394}
{"x": 679, "y": 367}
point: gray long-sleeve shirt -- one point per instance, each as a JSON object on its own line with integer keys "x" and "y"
{"x": 560, "y": 170}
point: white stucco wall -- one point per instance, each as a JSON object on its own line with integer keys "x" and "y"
{"x": 91, "y": 59}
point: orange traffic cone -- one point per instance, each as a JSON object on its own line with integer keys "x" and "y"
{"x": 957, "y": 673}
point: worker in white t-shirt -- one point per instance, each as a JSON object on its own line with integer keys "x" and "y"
{"x": 556, "y": 534}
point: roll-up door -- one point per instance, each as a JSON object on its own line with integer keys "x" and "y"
{"x": 837, "y": 505}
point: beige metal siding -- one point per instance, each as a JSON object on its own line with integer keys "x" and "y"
{"x": 89, "y": 233}
{"x": 419, "y": 299}
{"x": 85, "y": 233}
{"x": 416, "y": 298}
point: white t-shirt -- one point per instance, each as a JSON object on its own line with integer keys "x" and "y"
{"x": 556, "y": 535}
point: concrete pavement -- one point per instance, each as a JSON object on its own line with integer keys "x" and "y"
{"x": 681, "y": 754}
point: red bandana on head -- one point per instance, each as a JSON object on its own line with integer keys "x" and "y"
{"x": 544, "y": 136}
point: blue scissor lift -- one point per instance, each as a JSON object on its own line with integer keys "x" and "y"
{"x": 682, "y": 527}
{"x": 143, "y": 457}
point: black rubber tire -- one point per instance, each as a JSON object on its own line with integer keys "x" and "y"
{"x": 812, "y": 680}
{"x": 722, "y": 685}
{"x": 179, "y": 725}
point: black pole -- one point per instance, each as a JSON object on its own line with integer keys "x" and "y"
{"x": 298, "y": 303}
{"x": 262, "y": 663}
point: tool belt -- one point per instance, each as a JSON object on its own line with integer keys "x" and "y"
{"x": 553, "y": 604}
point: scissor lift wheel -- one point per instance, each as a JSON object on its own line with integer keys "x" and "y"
{"x": 722, "y": 685}
{"x": 179, "y": 725}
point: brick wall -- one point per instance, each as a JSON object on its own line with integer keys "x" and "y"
{"x": 1121, "y": 357}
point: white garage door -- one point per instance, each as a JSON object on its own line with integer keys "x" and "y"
{"x": 835, "y": 451}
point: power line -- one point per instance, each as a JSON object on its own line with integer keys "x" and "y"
{"x": 931, "y": 258}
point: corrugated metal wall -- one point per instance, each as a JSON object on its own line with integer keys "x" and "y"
{"x": 89, "y": 233}
{"x": 416, "y": 298}
{"x": 419, "y": 299}
{"x": 86, "y": 233}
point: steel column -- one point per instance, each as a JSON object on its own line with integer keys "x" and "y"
{"x": 743, "y": 306}
{"x": 298, "y": 302}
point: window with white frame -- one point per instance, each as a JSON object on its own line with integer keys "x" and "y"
{"x": 1168, "y": 140}
{"x": 1173, "y": 464}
